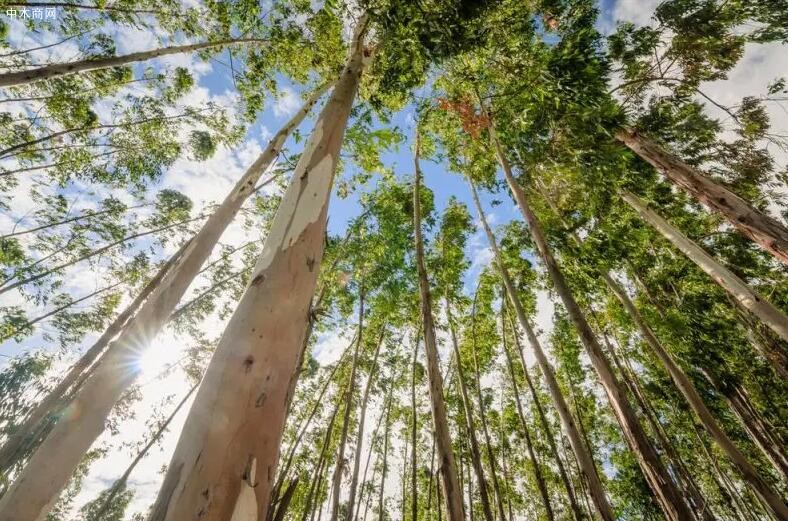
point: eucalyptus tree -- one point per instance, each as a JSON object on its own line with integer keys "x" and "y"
{"x": 303, "y": 239}
{"x": 449, "y": 261}
{"x": 682, "y": 382}
{"x": 114, "y": 375}
{"x": 478, "y": 164}
{"x": 451, "y": 487}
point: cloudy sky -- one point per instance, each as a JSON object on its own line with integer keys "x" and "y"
{"x": 206, "y": 182}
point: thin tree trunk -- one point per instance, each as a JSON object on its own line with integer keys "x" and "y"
{"x": 540, "y": 482}
{"x": 404, "y": 478}
{"x": 755, "y": 225}
{"x": 98, "y": 251}
{"x": 321, "y": 461}
{"x": 507, "y": 478}
{"x": 548, "y": 431}
{"x": 56, "y": 70}
{"x": 470, "y": 490}
{"x": 764, "y": 442}
{"x": 723, "y": 480}
{"x": 58, "y": 398}
{"x": 55, "y": 311}
{"x": 683, "y": 481}
{"x": 744, "y": 295}
{"x": 35, "y": 491}
{"x": 354, "y": 515}
{"x": 431, "y": 478}
{"x": 302, "y": 430}
{"x": 86, "y": 215}
{"x": 414, "y": 498}
{"x": 476, "y": 458}
{"x": 687, "y": 389}
{"x": 318, "y": 507}
{"x": 120, "y": 483}
{"x": 483, "y": 418}
{"x": 247, "y": 382}
{"x": 670, "y": 499}
{"x": 452, "y": 493}
{"x": 284, "y": 504}
{"x": 348, "y": 399}
{"x": 581, "y": 450}
{"x": 360, "y": 431}
{"x": 381, "y": 516}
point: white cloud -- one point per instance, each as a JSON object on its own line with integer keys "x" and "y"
{"x": 287, "y": 103}
{"x": 330, "y": 346}
{"x": 760, "y": 65}
{"x": 638, "y": 12}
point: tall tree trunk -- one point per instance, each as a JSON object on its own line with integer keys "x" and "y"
{"x": 683, "y": 480}
{"x": 483, "y": 418}
{"x": 751, "y": 424}
{"x": 548, "y": 431}
{"x": 431, "y": 479}
{"x": 687, "y": 389}
{"x": 313, "y": 488}
{"x": 302, "y": 430}
{"x": 741, "y": 292}
{"x": 540, "y": 482}
{"x": 22, "y": 438}
{"x": 120, "y": 483}
{"x": 56, "y": 70}
{"x": 414, "y": 497}
{"x": 758, "y": 227}
{"x": 670, "y": 499}
{"x": 385, "y": 462}
{"x": 360, "y": 431}
{"x": 34, "y": 492}
{"x": 452, "y": 493}
{"x": 581, "y": 450}
{"x": 247, "y": 382}
{"x": 507, "y": 478}
{"x": 354, "y": 515}
{"x": 476, "y": 458}
{"x": 284, "y": 504}
{"x": 723, "y": 480}
{"x": 404, "y": 479}
{"x": 339, "y": 466}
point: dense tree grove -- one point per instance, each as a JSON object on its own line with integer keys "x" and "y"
{"x": 268, "y": 260}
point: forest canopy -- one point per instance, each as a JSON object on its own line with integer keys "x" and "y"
{"x": 268, "y": 260}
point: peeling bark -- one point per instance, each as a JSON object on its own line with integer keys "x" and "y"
{"x": 755, "y": 225}
{"x": 34, "y": 491}
{"x": 240, "y": 409}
